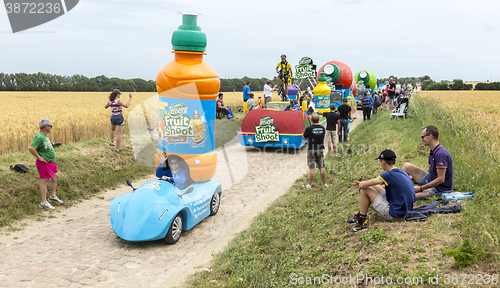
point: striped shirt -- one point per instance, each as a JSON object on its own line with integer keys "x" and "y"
{"x": 116, "y": 109}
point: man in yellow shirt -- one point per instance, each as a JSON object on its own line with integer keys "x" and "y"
{"x": 285, "y": 70}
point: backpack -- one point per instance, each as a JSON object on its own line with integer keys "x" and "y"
{"x": 377, "y": 100}
{"x": 20, "y": 168}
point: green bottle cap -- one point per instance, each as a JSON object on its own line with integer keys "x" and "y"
{"x": 322, "y": 77}
{"x": 188, "y": 36}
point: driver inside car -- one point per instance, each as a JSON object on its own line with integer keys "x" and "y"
{"x": 174, "y": 169}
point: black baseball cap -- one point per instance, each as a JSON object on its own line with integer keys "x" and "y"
{"x": 387, "y": 155}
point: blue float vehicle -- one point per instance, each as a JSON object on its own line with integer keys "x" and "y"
{"x": 159, "y": 210}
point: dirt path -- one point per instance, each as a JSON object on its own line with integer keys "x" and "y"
{"x": 76, "y": 246}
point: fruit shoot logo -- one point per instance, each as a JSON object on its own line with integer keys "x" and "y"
{"x": 266, "y": 132}
{"x": 26, "y": 14}
{"x": 176, "y": 126}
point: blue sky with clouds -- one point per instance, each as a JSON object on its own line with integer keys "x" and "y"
{"x": 128, "y": 39}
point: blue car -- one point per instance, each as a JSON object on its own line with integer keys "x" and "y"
{"x": 159, "y": 210}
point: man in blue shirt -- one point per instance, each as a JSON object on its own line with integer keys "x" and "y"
{"x": 439, "y": 177}
{"x": 392, "y": 202}
{"x": 247, "y": 92}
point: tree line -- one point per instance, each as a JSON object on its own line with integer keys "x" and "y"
{"x": 48, "y": 82}
{"x": 457, "y": 84}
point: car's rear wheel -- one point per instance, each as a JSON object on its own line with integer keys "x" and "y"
{"x": 175, "y": 231}
{"x": 214, "y": 204}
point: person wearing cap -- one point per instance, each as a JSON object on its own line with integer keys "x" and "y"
{"x": 268, "y": 92}
{"x": 315, "y": 135}
{"x": 438, "y": 178}
{"x": 43, "y": 150}
{"x": 117, "y": 120}
{"x": 295, "y": 105}
{"x": 391, "y": 202}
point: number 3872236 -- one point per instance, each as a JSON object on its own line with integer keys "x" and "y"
{"x": 33, "y": 8}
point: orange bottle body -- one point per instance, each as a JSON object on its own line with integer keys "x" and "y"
{"x": 188, "y": 88}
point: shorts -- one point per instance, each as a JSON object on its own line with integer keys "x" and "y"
{"x": 117, "y": 119}
{"x": 432, "y": 191}
{"x": 381, "y": 206}
{"x": 330, "y": 136}
{"x": 267, "y": 99}
{"x": 245, "y": 100}
{"x": 46, "y": 170}
{"x": 315, "y": 158}
{"x": 391, "y": 97}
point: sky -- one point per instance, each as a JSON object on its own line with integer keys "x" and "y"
{"x": 131, "y": 39}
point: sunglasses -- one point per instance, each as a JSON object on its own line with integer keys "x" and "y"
{"x": 50, "y": 126}
{"x": 425, "y": 136}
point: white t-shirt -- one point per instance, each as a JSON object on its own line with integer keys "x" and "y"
{"x": 398, "y": 88}
{"x": 268, "y": 92}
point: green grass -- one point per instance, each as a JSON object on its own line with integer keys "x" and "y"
{"x": 303, "y": 232}
{"x": 86, "y": 168}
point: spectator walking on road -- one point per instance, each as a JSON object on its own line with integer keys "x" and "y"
{"x": 344, "y": 116}
{"x": 117, "y": 120}
{"x": 315, "y": 135}
{"x": 439, "y": 176}
{"x": 332, "y": 123}
{"x": 42, "y": 149}
{"x": 366, "y": 101}
{"x": 392, "y": 202}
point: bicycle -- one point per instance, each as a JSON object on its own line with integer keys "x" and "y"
{"x": 282, "y": 87}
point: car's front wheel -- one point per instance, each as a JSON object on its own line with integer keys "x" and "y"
{"x": 214, "y": 204}
{"x": 175, "y": 231}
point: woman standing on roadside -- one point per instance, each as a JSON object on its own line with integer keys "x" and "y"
{"x": 117, "y": 116}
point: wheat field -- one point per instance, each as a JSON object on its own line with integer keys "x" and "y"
{"x": 75, "y": 115}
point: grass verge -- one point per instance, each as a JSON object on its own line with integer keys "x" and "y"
{"x": 300, "y": 239}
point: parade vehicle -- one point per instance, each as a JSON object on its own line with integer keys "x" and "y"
{"x": 366, "y": 82}
{"x": 274, "y": 127}
{"x": 340, "y": 80}
{"x": 159, "y": 210}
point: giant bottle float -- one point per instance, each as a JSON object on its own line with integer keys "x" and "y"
{"x": 322, "y": 94}
{"x": 188, "y": 89}
{"x": 339, "y": 78}
{"x": 366, "y": 77}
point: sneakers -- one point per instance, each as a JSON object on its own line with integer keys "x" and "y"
{"x": 308, "y": 186}
{"x": 111, "y": 144}
{"x": 326, "y": 185}
{"x": 359, "y": 226}
{"x": 55, "y": 199}
{"x": 354, "y": 219}
{"x": 118, "y": 150}
{"x": 46, "y": 205}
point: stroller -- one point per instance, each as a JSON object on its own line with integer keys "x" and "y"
{"x": 402, "y": 98}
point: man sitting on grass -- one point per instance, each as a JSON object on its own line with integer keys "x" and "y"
{"x": 392, "y": 202}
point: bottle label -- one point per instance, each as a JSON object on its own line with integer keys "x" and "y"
{"x": 186, "y": 126}
{"x": 322, "y": 101}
